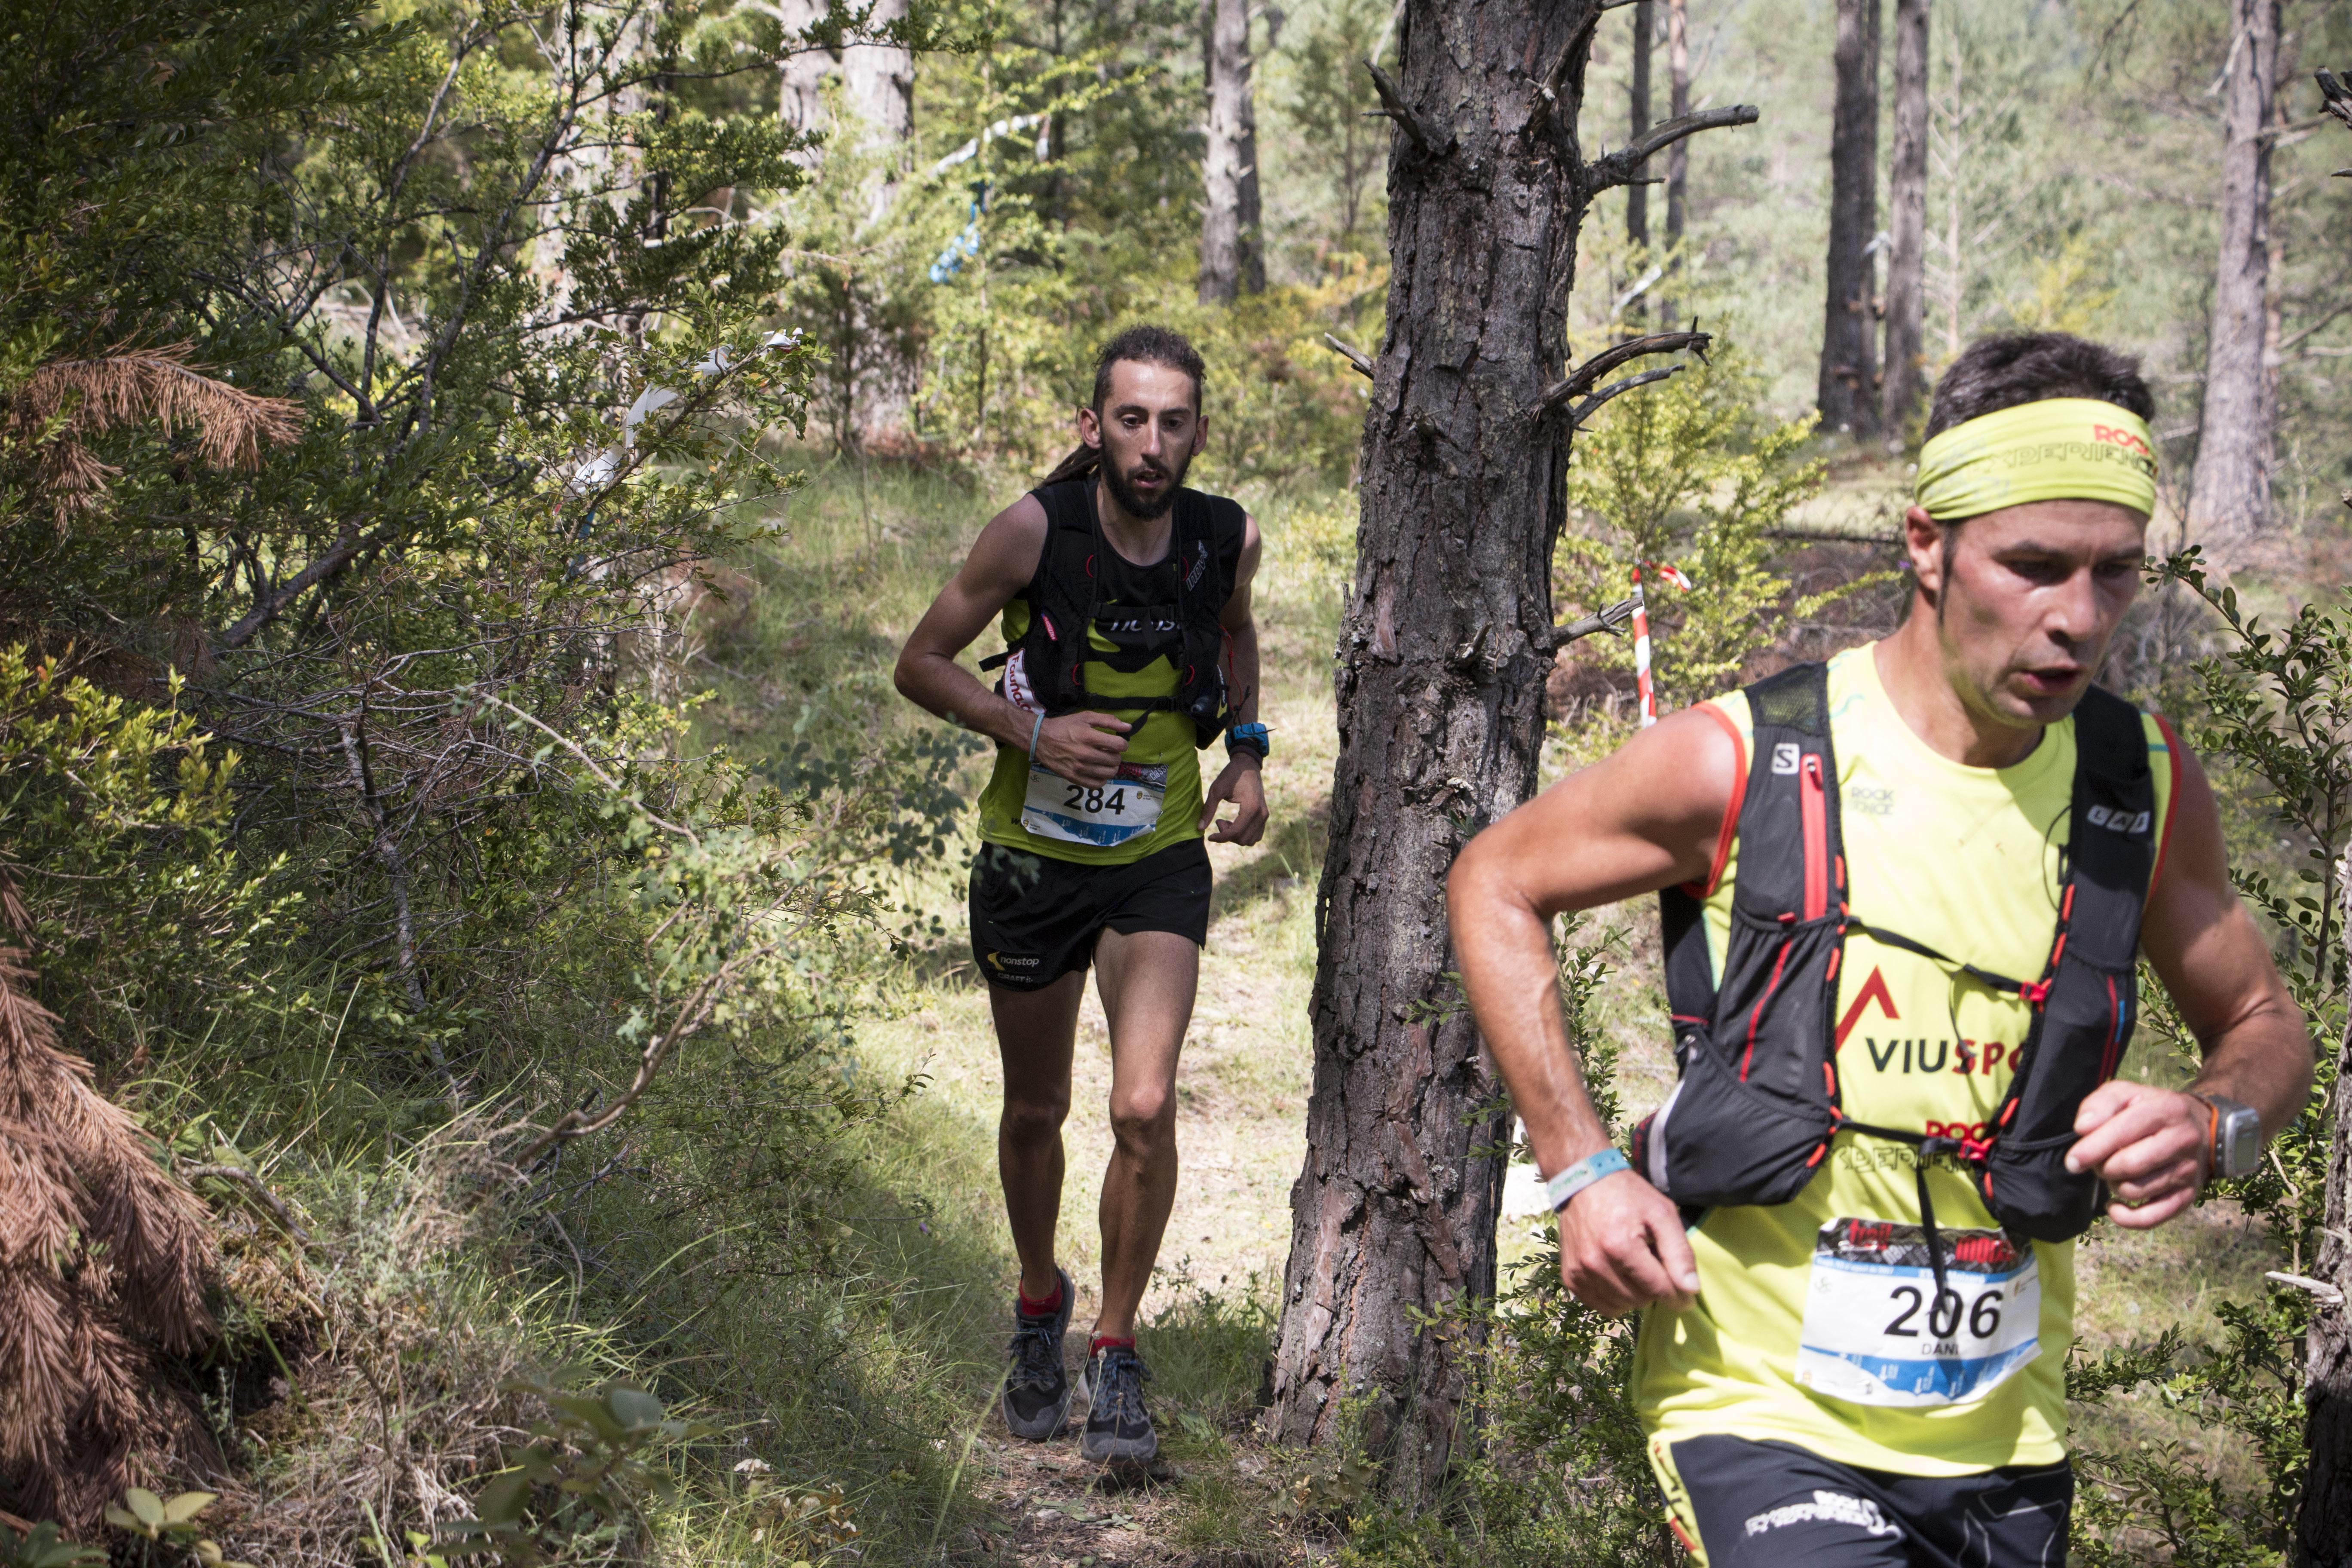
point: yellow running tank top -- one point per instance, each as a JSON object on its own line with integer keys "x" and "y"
{"x": 1131, "y": 642}
{"x": 1968, "y": 861}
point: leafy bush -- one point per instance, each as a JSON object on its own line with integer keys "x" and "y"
{"x": 2271, "y": 705}
{"x": 1691, "y": 474}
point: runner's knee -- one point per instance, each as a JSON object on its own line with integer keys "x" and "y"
{"x": 1143, "y": 1119}
{"x": 1034, "y": 1119}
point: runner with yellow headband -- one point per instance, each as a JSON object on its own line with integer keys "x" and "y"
{"x": 1903, "y": 898}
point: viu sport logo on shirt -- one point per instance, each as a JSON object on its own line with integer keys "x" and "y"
{"x": 2130, "y": 824}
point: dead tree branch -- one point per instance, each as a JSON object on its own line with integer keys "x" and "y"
{"x": 1395, "y": 108}
{"x": 1584, "y": 377}
{"x": 1607, "y": 620}
{"x": 1352, "y": 355}
{"x": 1622, "y": 167}
{"x": 1590, "y": 405}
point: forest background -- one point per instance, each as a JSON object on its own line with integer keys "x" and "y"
{"x": 466, "y": 470}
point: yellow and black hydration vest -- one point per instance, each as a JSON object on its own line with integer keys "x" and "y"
{"x": 1758, "y": 1105}
{"x": 1066, "y": 601}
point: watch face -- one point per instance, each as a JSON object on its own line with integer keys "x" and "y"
{"x": 2241, "y": 1142}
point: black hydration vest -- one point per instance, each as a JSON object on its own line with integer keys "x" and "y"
{"x": 1758, "y": 1103}
{"x": 1066, "y": 593}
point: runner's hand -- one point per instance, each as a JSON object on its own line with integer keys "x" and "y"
{"x": 1084, "y": 748}
{"x": 1239, "y": 784}
{"x": 2148, "y": 1144}
{"x": 1622, "y": 1247}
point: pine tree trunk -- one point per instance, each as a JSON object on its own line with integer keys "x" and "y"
{"x": 2229, "y": 491}
{"x": 1637, "y": 196}
{"x": 1440, "y": 681}
{"x": 1906, "y": 250}
{"x": 2323, "y": 1529}
{"x": 1231, "y": 262}
{"x": 878, "y": 80}
{"x": 1677, "y": 155}
{"x": 1849, "y": 391}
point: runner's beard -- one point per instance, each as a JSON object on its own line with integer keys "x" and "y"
{"x": 1145, "y": 509}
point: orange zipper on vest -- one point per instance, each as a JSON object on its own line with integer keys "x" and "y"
{"x": 1812, "y": 796}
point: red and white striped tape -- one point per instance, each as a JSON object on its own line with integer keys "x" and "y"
{"x": 1642, "y": 636}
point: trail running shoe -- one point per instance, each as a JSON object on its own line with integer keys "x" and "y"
{"x": 1118, "y": 1429}
{"x": 1037, "y": 1391}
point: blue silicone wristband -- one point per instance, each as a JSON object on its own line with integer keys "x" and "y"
{"x": 1582, "y": 1174}
{"x": 1252, "y": 738}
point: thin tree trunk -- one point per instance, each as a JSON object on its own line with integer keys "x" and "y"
{"x": 1906, "y": 251}
{"x": 2230, "y": 490}
{"x": 1637, "y": 196}
{"x": 1230, "y": 259}
{"x": 1849, "y": 391}
{"x": 1677, "y": 155}
{"x": 2323, "y": 1529}
{"x": 1440, "y": 681}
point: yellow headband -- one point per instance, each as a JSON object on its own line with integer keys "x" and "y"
{"x": 2060, "y": 449}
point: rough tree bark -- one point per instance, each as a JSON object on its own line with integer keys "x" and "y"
{"x": 1447, "y": 638}
{"x": 1906, "y": 250}
{"x": 1637, "y": 195}
{"x": 2230, "y": 490}
{"x": 1231, "y": 260}
{"x": 1677, "y": 155}
{"x": 1849, "y": 391}
{"x": 878, "y": 80}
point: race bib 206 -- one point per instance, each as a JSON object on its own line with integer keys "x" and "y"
{"x": 1101, "y": 815}
{"x": 1878, "y": 1332}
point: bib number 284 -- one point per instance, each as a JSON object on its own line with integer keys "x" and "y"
{"x": 1102, "y": 815}
{"x": 1878, "y": 1328}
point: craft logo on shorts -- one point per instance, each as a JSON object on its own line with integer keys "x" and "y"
{"x": 2124, "y": 438}
{"x": 1827, "y": 1507}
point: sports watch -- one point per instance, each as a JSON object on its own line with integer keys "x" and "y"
{"x": 2237, "y": 1136}
{"x": 1247, "y": 738}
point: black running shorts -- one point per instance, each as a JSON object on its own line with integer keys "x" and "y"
{"x": 1774, "y": 1504}
{"x": 1034, "y": 919}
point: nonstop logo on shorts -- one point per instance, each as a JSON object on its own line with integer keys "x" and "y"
{"x": 1010, "y": 960}
{"x": 1827, "y": 1507}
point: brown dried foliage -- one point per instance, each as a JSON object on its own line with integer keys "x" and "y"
{"x": 103, "y": 1261}
{"x": 65, "y": 403}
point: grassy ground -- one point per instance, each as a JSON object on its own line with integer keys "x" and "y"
{"x": 801, "y": 653}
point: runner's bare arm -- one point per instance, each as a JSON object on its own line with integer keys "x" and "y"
{"x": 1081, "y": 747}
{"x": 1239, "y": 781}
{"x": 2152, "y": 1145}
{"x": 1647, "y": 818}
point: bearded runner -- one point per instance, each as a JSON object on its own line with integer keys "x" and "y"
{"x": 1123, "y": 600}
{"x": 1903, "y": 896}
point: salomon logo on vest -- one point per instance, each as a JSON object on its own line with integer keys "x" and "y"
{"x": 2117, "y": 821}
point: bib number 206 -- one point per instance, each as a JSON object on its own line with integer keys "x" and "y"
{"x": 1880, "y": 1330}
{"x": 1944, "y": 1317}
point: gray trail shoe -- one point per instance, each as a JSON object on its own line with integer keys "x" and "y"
{"x": 1118, "y": 1429}
{"x": 1037, "y": 1391}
